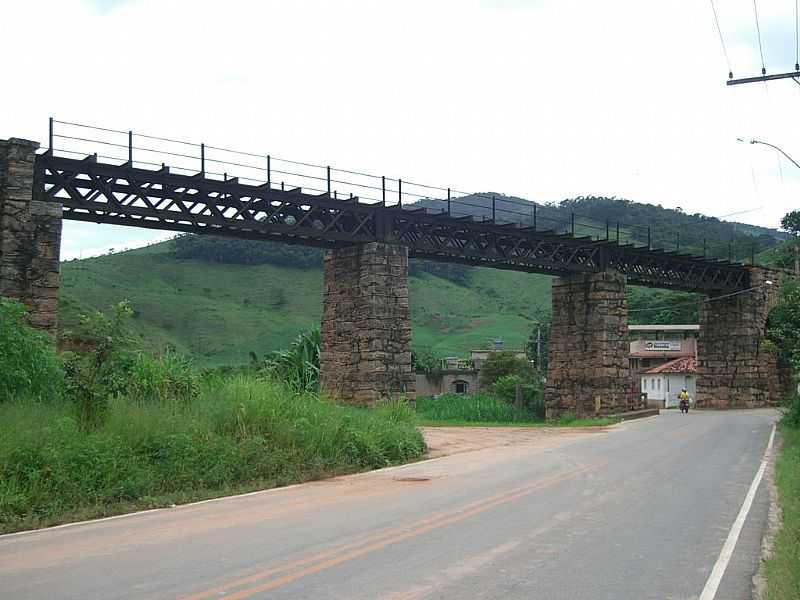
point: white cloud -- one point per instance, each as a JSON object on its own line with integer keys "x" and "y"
{"x": 544, "y": 100}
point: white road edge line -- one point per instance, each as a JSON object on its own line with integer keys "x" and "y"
{"x": 710, "y": 589}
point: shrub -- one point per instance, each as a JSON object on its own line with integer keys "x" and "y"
{"x": 505, "y": 388}
{"x": 30, "y": 367}
{"x": 791, "y": 416}
{"x": 298, "y": 365}
{"x": 500, "y": 364}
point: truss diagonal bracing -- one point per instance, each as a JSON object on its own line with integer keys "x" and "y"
{"x": 157, "y": 199}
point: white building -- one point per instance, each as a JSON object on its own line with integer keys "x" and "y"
{"x": 662, "y": 384}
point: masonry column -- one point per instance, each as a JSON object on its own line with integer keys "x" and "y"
{"x": 366, "y": 324}
{"x": 733, "y": 368}
{"x": 30, "y": 237}
{"x": 588, "y": 372}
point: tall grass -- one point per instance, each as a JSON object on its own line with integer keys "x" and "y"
{"x": 471, "y": 409}
{"x": 240, "y": 433}
{"x": 783, "y": 569}
{"x": 29, "y": 366}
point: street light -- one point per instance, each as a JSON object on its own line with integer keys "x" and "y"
{"x": 794, "y": 162}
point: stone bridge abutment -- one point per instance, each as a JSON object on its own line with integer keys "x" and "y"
{"x": 30, "y": 237}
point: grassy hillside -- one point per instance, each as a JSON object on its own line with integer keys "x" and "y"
{"x": 220, "y": 312}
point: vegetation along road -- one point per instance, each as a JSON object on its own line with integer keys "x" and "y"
{"x": 638, "y": 510}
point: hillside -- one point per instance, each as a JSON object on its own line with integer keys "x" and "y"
{"x": 221, "y": 299}
{"x": 220, "y": 312}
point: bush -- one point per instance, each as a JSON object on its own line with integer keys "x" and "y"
{"x": 505, "y": 388}
{"x": 30, "y": 367}
{"x": 500, "y": 364}
{"x": 298, "y": 365}
{"x": 791, "y": 416}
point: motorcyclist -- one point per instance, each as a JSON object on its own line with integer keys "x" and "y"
{"x": 684, "y": 400}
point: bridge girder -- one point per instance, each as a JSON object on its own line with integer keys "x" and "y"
{"x": 98, "y": 192}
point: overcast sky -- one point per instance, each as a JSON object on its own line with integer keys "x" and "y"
{"x": 541, "y": 99}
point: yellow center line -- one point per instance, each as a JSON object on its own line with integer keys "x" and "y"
{"x": 334, "y": 557}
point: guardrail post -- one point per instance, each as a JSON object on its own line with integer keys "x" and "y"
{"x": 448, "y": 202}
{"x": 618, "y": 232}
{"x": 400, "y": 193}
{"x": 572, "y": 223}
{"x": 607, "y": 230}
{"x": 649, "y": 238}
{"x": 534, "y": 216}
{"x": 50, "y": 136}
{"x": 269, "y": 171}
{"x": 677, "y": 241}
{"x": 130, "y": 147}
{"x": 494, "y": 211}
{"x": 383, "y": 190}
{"x": 329, "y": 180}
{"x": 203, "y": 159}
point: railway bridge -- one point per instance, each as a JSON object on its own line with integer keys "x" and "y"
{"x": 366, "y": 324}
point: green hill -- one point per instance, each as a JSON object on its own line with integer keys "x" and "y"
{"x": 221, "y": 299}
{"x": 219, "y": 312}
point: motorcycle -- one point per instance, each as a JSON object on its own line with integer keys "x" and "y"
{"x": 684, "y": 406}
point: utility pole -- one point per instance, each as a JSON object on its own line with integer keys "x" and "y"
{"x": 539, "y": 343}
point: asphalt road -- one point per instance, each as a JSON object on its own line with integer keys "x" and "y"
{"x": 636, "y": 511}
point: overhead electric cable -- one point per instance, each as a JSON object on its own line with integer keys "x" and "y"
{"x": 758, "y": 31}
{"x": 703, "y": 301}
{"x": 722, "y": 41}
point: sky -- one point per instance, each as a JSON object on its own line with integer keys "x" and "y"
{"x": 544, "y": 100}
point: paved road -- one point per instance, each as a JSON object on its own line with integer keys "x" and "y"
{"x": 636, "y": 511}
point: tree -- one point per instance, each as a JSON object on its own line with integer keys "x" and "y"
{"x": 791, "y": 223}
{"x": 783, "y": 329}
{"x": 500, "y": 364}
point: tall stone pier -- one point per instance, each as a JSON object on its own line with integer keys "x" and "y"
{"x": 30, "y": 237}
{"x": 734, "y": 370}
{"x": 588, "y": 372}
{"x": 366, "y": 324}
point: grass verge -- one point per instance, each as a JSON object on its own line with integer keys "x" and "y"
{"x": 783, "y": 569}
{"x": 240, "y": 434}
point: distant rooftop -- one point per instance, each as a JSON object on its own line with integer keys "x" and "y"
{"x": 663, "y": 327}
{"x": 686, "y": 364}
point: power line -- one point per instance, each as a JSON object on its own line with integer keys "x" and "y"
{"x": 758, "y": 30}
{"x": 722, "y": 41}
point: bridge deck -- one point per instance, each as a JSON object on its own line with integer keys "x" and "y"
{"x": 158, "y": 199}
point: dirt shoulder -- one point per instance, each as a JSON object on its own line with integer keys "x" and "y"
{"x": 443, "y": 441}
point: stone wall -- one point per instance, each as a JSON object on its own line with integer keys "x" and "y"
{"x": 30, "y": 237}
{"x": 733, "y": 368}
{"x": 588, "y": 371}
{"x": 366, "y": 324}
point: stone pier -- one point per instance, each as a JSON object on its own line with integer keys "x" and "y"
{"x": 30, "y": 237}
{"x": 734, "y": 370}
{"x": 588, "y": 371}
{"x": 366, "y": 324}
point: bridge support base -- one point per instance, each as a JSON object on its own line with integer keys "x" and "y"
{"x": 30, "y": 237}
{"x": 588, "y": 372}
{"x": 366, "y": 324}
{"x": 734, "y": 370}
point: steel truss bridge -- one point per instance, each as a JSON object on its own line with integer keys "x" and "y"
{"x": 124, "y": 194}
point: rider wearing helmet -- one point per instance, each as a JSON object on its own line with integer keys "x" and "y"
{"x": 683, "y": 397}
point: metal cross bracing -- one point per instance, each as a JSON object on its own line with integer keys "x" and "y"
{"x": 125, "y": 194}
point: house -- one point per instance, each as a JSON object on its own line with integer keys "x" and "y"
{"x": 663, "y": 383}
{"x": 457, "y": 375}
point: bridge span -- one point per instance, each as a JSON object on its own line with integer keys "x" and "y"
{"x": 366, "y": 328}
